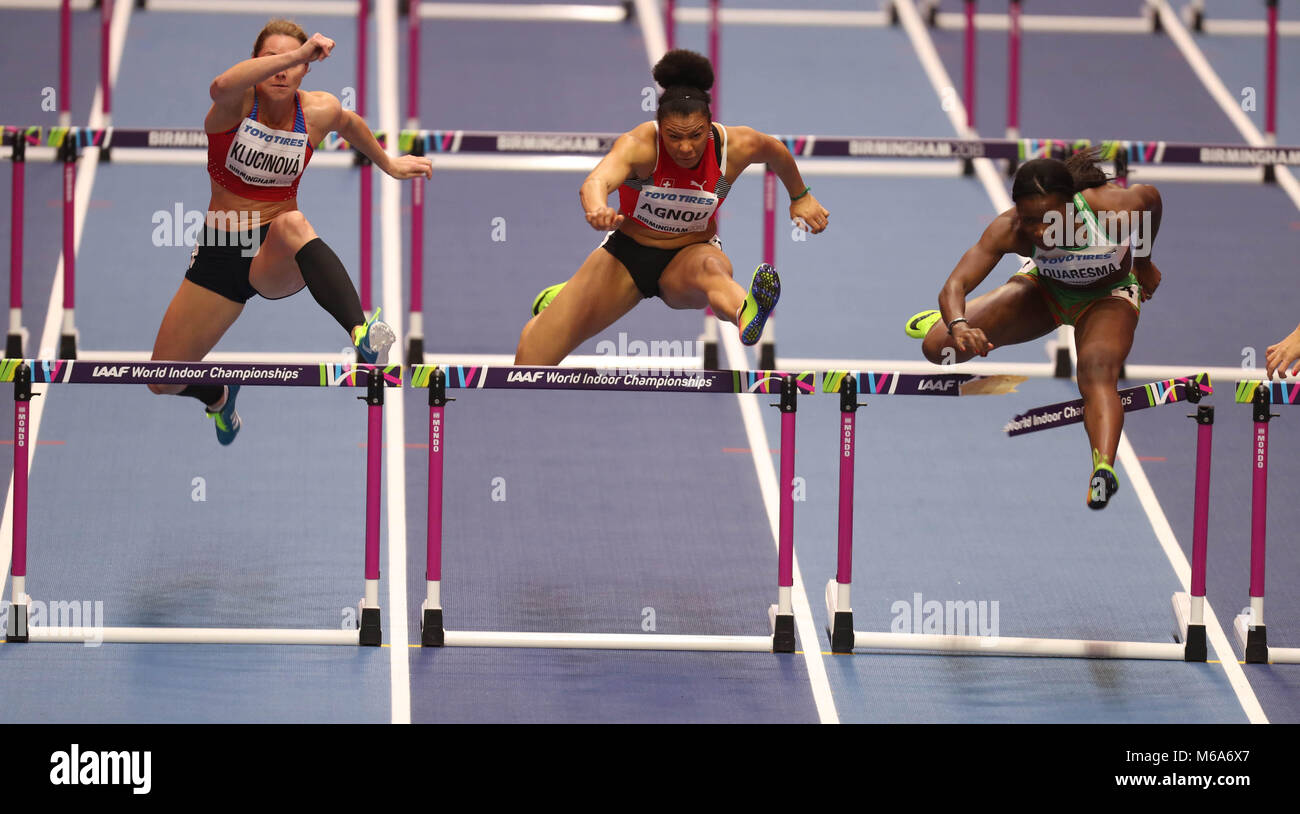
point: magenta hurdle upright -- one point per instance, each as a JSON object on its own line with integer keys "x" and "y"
{"x": 1250, "y": 626}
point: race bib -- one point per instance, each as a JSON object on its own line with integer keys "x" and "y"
{"x": 675, "y": 210}
{"x": 264, "y": 157}
{"x": 1079, "y": 268}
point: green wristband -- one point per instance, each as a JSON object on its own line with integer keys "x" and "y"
{"x": 806, "y": 190}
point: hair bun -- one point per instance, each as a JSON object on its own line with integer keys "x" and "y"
{"x": 683, "y": 68}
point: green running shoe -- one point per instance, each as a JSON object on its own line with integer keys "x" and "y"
{"x": 1102, "y": 484}
{"x": 544, "y": 298}
{"x": 920, "y": 324}
{"x": 227, "y": 419}
{"x": 764, "y": 291}
{"x": 373, "y": 340}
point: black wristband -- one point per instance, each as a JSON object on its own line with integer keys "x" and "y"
{"x": 955, "y": 321}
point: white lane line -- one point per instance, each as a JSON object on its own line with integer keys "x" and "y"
{"x": 656, "y": 45}
{"x": 1219, "y": 92}
{"x": 770, "y": 486}
{"x": 48, "y": 347}
{"x": 652, "y": 30}
{"x": 1132, "y": 466}
{"x": 988, "y": 174}
{"x": 390, "y": 219}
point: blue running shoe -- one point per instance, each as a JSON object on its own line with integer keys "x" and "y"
{"x": 764, "y": 291}
{"x": 226, "y": 418}
{"x": 373, "y": 340}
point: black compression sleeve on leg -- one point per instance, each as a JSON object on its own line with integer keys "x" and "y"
{"x": 209, "y": 394}
{"x": 330, "y": 284}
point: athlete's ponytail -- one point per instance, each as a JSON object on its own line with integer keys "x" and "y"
{"x": 1048, "y": 176}
{"x": 1084, "y": 170}
{"x": 686, "y": 78}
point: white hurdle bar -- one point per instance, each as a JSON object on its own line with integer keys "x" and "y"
{"x": 608, "y": 641}
{"x": 192, "y": 635}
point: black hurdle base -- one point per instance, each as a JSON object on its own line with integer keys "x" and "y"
{"x": 710, "y": 356}
{"x": 1257, "y": 645}
{"x": 1194, "y": 647}
{"x": 431, "y": 632}
{"x": 1064, "y": 369}
{"x": 783, "y": 634}
{"x": 14, "y": 346}
{"x": 68, "y": 346}
{"x": 840, "y": 632}
{"x": 371, "y": 633}
{"x": 415, "y": 350}
{"x": 16, "y": 630}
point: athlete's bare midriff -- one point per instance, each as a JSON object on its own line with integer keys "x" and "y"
{"x": 656, "y": 239}
{"x": 226, "y": 207}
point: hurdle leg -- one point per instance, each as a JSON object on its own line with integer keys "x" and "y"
{"x": 415, "y": 324}
{"x": 431, "y": 630}
{"x": 781, "y": 615}
{"x": 767, "y": 341}
{"x": 68, "y": 333}
{"x": 16, "y": 630}
{"x": 17, "y": 334}
{"x": 365, "y": 169}
{"x": 708, "y": 342}
{"x": 839, "y": 612}
{"x": 359, "y": 159}
{"x": 371, "y": 632}
{"x": 1190, "y": 610}
{"x": 1250, "y": 625}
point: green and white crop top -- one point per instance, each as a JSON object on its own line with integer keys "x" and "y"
{"x": 1080, "y": 266}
